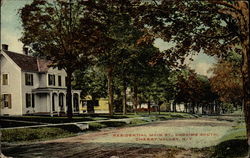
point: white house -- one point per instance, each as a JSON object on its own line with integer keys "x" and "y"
{"x": 30, "y": 86}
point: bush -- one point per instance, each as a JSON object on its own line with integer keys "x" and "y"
{"x": 114, "y": 123}
{"x": 138, "y": 121}
{"x": 96, "y": 125}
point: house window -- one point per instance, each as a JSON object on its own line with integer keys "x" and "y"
{"x": 5, "y": 79}
{"x": 61, "y": 96}
{"x": 52, "y": 81}
{"x": 28, "y": 100}
{"x": 29, "y": 79}
{"x": 6, "y": 99}
{"x": 59, "y": 81}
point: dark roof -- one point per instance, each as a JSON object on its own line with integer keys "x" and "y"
{"x": 28, "y": 63}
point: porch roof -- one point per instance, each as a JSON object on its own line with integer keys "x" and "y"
{"x": 52, "y": 89}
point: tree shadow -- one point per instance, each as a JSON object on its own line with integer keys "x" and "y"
{"x": 88, "y": 150}
{"x": 231, "y": 149}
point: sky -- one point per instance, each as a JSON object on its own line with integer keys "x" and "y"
{"x": 11, "y": 31}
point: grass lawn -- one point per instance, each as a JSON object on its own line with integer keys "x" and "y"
{"x": 7, "y": 123}
{"x": 34, "y": 134}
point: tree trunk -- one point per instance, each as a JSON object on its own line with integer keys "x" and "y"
{"x": 175, "y": 110}
{"x": 185, "y": 107}
{"x": 202, "y": 109}
{"x": 193, "y": 107}
{"x": 149, "y": 107}
{"x": 124, "y": 98}
{"x": 110, "y": 90}
{"x": 69, "y": 94}
{"x": 197, "y": 108}
{"x": 159, "y": 109}
{"x": 246, "y": 84}
{"x": 135, "y": 98}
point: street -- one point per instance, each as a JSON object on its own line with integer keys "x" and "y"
{"x": 172, "y": 138}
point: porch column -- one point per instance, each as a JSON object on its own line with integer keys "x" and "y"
{"x": 50, "y": 103}
{"x": 65, "y": 107}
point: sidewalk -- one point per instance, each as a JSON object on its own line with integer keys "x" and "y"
{"x": 82, "y": 125}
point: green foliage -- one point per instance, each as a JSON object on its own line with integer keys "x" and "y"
{"x": 227, "y": 107}
{"x": 92, "y": 82}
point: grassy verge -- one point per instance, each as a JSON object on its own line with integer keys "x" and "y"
{"x": 34, "y": 134}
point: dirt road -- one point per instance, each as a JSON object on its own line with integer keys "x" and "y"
{"x": 172, "y": 138}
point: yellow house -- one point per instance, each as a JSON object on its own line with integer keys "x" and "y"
{"x": 100, "y": 105}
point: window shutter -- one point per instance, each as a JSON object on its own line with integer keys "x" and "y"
{"x": 31, "y": 79}
{"x": 33, "y": 100}
{"x": 9, "y": 101}
{"x": 26, "y": 79}
{"x": 26, "y": 98}
{"x": 2, "y": 101}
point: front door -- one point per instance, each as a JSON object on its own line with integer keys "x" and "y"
{"x": 76, "y": 102}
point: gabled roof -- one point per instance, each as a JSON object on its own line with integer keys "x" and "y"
{"x": 29, "y": 63}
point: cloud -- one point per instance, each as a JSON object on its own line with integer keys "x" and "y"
{"x": 201, "y": 63}
{"x": 11, "y": 39}
{"x": 162, "y": 45}
{"x": 202, "y": 69}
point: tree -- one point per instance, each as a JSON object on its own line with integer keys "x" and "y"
{"x": 215, "y": 27}
{"x": 189, "y": 88}
{"x": 91, "y": 81}
{"x": 120, "y": 32}
{"x": 60, "y": 31}
{"x": 226, "y": 80}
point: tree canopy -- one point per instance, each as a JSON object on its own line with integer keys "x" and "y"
{"x": 60, "y": 31}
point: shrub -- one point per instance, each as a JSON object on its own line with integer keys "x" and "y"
{"x": 114, "y": 123}
{"x": 96, "y": 125}
{"x": 138, "y": 121}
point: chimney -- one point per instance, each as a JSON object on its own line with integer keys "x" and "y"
{"x": 25, "y": 50}
{"x": 5, "y": 46}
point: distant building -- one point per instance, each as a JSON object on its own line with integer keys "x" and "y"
{"x": 30, "y": 86}
{"x": 94, "y": 106}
